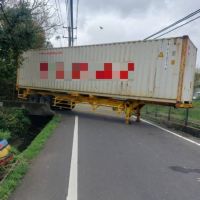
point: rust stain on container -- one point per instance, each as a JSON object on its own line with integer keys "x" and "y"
{"x": 161, "y": 55}
{"x": 173, "y": 62}
{"x": 182, "y": 67}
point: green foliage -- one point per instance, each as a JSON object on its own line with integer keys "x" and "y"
{"x": 22, "y": 160}
{"x": 4, "y": 135}
{"x": 15, "y": 121}
{"x": 19, "y": 32}
{"x": 13, "y": 179}
{"x": 40, "y": 140}
{"x": 22, "y": 31}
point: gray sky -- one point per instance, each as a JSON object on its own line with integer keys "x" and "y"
{"x": 129, "y": 20}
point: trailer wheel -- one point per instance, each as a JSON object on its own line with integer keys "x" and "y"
{"x": 43, "y": 99}
{"x": 46, "y": 100}
{"x": 33, "y": 98}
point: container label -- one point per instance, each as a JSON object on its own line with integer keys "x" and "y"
{"x": 81, "y": 71}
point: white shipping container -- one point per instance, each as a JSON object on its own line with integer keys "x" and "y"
{"x": 153, "y": 70}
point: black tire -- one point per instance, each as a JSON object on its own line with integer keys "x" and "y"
{"x": 46, "y": 100}
{"x": 33, "y": 98}
{"x": 42, "y": 99}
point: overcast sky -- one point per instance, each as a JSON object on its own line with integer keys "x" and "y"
{"x": 129, "y": 20}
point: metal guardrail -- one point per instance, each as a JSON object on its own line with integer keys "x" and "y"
{"x": 197, "y": 84}
{"x": 185, "y": 117}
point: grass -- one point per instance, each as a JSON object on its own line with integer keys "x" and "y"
{"x": 194, "y": 113}
{"x": 179, "y": 114}
{"x": 22, "y": 160}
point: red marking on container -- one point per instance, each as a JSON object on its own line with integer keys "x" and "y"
{"x": 51, "y": 53}
{"x": 60, "y": 74}
{"x": 77, "y": 68}
{"x": 60, "y": 66}
{"x": 131, "y": 67}
{"x": 107, "y": 73}
{"x": 43, "y": 66}
{"x": 123, "y": 74}
{"x": 83, "y": 66}
{"x": 75, "y": 74}
{"x": 107, "y": 66}
{"x": 99, "y": 74}
{"x": 43, "y": 74}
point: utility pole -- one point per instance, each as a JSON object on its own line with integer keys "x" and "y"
{"x": 71, "y": 22}
{"x": 70, "y": 28}
{"x": 69, "y": 36}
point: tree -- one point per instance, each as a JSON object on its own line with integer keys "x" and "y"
{"x": 48, "y": 45}
{"x": 42, "y": 11}
{"x": 21, "y": 28}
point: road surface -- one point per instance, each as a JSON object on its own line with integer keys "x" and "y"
{"x": 96, "y": 156}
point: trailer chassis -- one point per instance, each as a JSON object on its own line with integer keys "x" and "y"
{"x": 70, "y": 100}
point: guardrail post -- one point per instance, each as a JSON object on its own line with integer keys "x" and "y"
{"x": 169, "y": 113}
{"x": 186, "y": 116}
{"x": 156, "y": 111}
{"x": 146, "y": 109}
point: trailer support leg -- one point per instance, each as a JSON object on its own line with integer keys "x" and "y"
{"x": 128, "y": 111}
{"x": 128, "y": 116}
{"x": 138, "y": 114}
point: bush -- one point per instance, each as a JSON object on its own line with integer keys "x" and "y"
{"x": 4, "y": 135}
{"x": 23, "y": 159}
{"x": 15, "y": 121}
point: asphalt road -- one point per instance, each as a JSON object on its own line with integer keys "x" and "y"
{"x": 114, "y": 161}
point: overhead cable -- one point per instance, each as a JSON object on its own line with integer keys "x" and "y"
{"x": 177, "y": 27}
{"x": 173, "y": 24}
{"x": 77, "y": 10}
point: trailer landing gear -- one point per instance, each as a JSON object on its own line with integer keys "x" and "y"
{"x": 131, "y": 108}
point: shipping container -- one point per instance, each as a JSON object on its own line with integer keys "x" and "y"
{"x": 158, "y": 71}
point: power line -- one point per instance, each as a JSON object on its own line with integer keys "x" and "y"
{"x": 178, "y": 27}
{"x": 59, "y": 12}
{"x": 72, "y": 21}
{"x": 59, "y": 5}
{"x": 68, "y": 22}
{"x": 175, "y": 23}
{"x": 77, "y": 10}
{"x": 67, "y": 9}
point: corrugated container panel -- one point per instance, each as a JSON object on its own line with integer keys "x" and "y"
{"x": 156, "y": 76}
{"x": 188, "y": 82}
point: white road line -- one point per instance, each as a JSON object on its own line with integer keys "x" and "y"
{"x": 173, "y": 133}
{"x": 73, "y": 177}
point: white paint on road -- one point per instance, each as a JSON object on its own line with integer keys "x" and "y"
{"x": 171, "y": 132}
{"x": 73, "y": 177}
